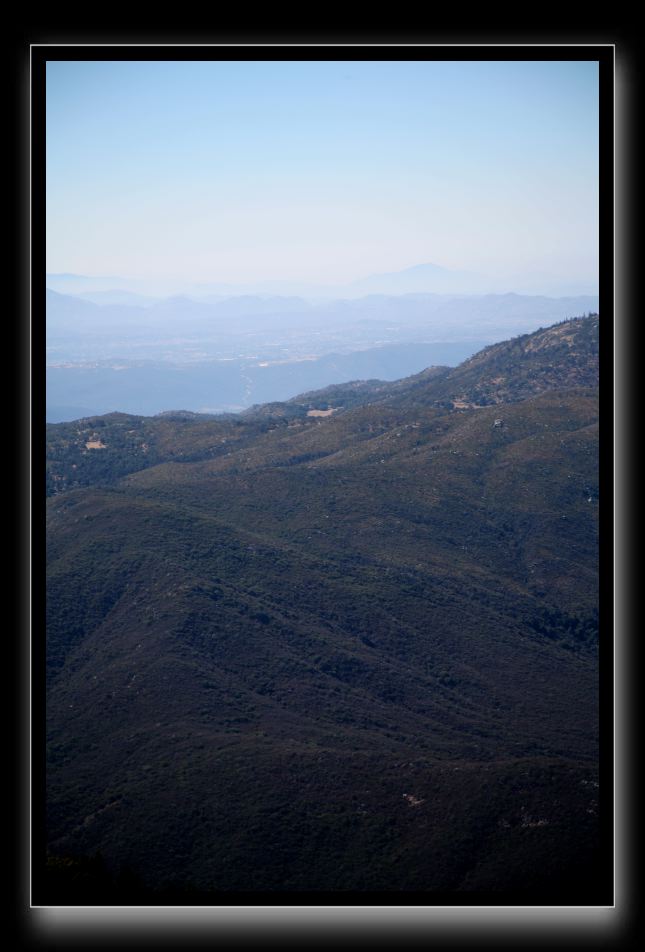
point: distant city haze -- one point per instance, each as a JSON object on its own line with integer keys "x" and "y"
{"x": 323, "y": 179}
{"x": 121, "y": 350}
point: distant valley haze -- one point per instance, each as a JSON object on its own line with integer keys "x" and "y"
{"x": 112, "y": 345}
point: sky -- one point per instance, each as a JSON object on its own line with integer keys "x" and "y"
{"x": 323, "y": 172}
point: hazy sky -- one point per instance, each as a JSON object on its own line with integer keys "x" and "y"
{"x": 323, "y": 172}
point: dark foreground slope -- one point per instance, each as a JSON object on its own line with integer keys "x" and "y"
{"x": 340, "y": 654}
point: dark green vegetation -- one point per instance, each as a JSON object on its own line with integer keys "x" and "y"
{"x": 353, "y": 652}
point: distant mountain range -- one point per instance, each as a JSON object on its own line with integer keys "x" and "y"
{"x": 345, "y": 643}
{"x": 424, "y": 278}
{"x": 68, "y": 314}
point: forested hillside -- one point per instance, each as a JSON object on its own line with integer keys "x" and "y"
{"x": 346, "y": 652}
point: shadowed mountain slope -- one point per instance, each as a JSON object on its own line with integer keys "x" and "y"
{"x": 352, "y": 652}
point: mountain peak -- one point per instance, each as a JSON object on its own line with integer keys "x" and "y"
{"x": 426, "y": 277}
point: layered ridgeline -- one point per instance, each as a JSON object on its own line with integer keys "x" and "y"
{"x": 344, "y": 643}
